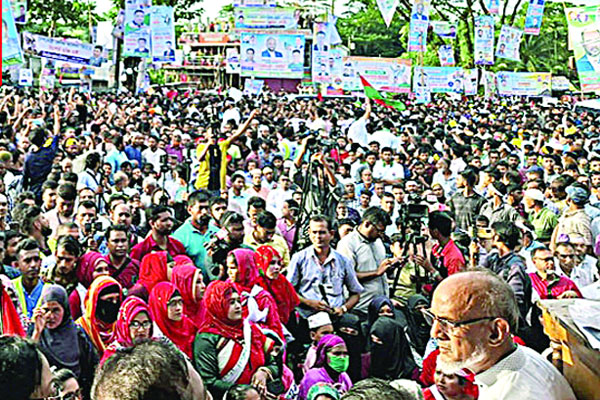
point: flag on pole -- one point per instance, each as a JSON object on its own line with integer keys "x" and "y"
{"x": 378, "y": 98}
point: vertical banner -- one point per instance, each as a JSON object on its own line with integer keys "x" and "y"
{"x": 493, "y": 6}
{"x": 446, "y": 30}
{"x": 11, "y": 48}
{"x": 387, "y": 9}
{"x": 470, "y": 81}
{"x": 509, "y": 42}
{"x": 535, "y": 14}
{"x": 20, "y": 12}
{"x": 232, "y": 60}
{"x": 584, "y": 32}
{"x": 489, "y": 84}
{"x": 163, "y": 34}
{"x": 446, "y": 55}
{"x": 419, "y": 22}
{"x": 320, "y": 52}
{"x": 484, "y": 40}
{"x": 334, "y": 36}
{"x": 137, "y": 29}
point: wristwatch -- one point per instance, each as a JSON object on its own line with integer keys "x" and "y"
{"x": 344, "y": 309}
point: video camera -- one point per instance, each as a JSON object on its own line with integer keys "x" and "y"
{"x": 413, "y": 215}
{"x": 316, "y": 142}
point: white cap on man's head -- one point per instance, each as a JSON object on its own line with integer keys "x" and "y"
{"x": 318, "y": 320}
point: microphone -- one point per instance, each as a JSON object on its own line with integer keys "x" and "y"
{"x": 324, "y": 294}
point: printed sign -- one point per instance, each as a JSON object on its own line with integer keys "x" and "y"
{"x": 446, "y": 30}
{"x": 11, "y": 47}
{"x": 439, "y": 79}
{"x": 484, "y": 40}
{"x": 419, "y": 22}
{"x": 137, "y": 28}
{"x": 385, "y": 74}
{"x": 509, "y": 43}
{"x": 20, "y": 12}
{"x": 446, "y": 55}
{"x": 163, "y": 34}
{"x": 524, "y": 83}
{"x": 533, "y": 20}
{"x": 61, "y": 49}
{"x": 584, "y": 32}
{"x": 272, "y": 54}
{"x": 470, "y": 81}
{"x": 266, "y": 18}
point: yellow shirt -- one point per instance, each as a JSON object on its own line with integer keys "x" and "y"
{"x": 204, "y": 167}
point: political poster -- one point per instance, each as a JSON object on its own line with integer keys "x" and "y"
{"x": 12, "y": 53}
{"x": 334, "y": 85}
{"x": 445, "y": 30}
{"x": 384, "y": 74}
{"x": 137, "y": 28}
{"x": 387, "y": 9}
{"x": 524, "y": 83}
{"x": 266, "y": 18}
{"x": 439, "y": 79}
{"x": 509, "y": 43}
{"x": 253, "y": 87}
{"x": 59, "y": 49}
{"x": 419, "y": 22}
{"x": 489, "y": 84}
{"x": 254, "y": 3}
{"x": 277, "y": 54}
{"x": 25, "y": 77}
{"x": 232, "y": 60}
{"x": 533, "y": 19}
{"x": 470, "y": 81}
{"x": 493, "y": 6}
{"x": 163, "y": 34}
{"x": 320, "y": 52}
{"x": 584, "y": 31}
{"x": 20, "y": 12}
{"x": 484, "y": 40}
{"x": 446, "y": 55}
{"x": 562, "y": 84}
{"x": 422, "y": 95}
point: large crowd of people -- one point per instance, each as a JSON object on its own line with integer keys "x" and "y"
{"x": 185, "y": 245}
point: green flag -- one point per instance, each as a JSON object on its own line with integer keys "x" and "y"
{"x": 374, "y": 95}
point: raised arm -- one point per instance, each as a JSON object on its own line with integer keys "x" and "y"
{"x": 244, "y": 126}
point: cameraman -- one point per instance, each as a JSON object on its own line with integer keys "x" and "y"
{"x": 366, "y": 250}
{"x": 86, "y": 220}
{"x": 446, "y": 258}
{"x": 229, "y": 238}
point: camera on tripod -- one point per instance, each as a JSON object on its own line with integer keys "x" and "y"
{"x": 164, "y": 163}
{"x": 316, "y": 142}
{"x": 412, "y": 216}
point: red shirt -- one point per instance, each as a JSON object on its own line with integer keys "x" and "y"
{"x": 558, "y": 285}
{"x": 452, "y": 257}
{"x": 148, "y": 245}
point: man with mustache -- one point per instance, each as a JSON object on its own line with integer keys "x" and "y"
{"x": 473, "y": 315}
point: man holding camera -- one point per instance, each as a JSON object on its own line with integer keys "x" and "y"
{"x": 229, "y": 238}
{"x": 365, "y": 249}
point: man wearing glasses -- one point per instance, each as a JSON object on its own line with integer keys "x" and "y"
{"x": 473, "y": 316}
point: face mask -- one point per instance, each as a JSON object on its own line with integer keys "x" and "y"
{"x": 106, "y": 311}
{"x": 339, "y": 363}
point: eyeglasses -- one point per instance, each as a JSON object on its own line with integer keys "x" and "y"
{"x": 137, "y": 325}
{"x": 67, "y": 396}
{"x": 566, "y": 255}
{"x": 447, "y": 324}
{"x": 547, "y": 259}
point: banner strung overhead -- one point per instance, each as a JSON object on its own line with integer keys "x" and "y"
{"x": 266, "y": 18}
{"x": 11, "y": 47}
{"x": 387, "y": 9}
{"x": 535, "y": 14}
{"x": 439, "y": 79}
{"x": 509, "y": 42}
{"x": 419, "y": 22}
{"x": 484, "y": 40}
{"x": 163, "y": 34}
{"x": 584, "y": 31}
{"x": 278, "y": 54}
{"x": 446, "y": 55}
{"x": 320, "y": 52}
{"x": 137, "y": 29}
{"x": 524, "y": 83}
{"x": 385, "y": 74}
{"x": 62, "y": 49}
{"x": 446, "y": 30}
{"x": 470, "y": 81}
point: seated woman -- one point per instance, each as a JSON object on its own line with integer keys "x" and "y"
{"x": 188, "y": 280}
{"x": 330, "y": 367}
{"x": 133, "y": 324}
{"x": 270, "y": 278}
{"x": 387, "y": 337}
{"x": 64, "y": 344}
{"x": 258, "y": 305}
{"x": 91, "y": 265}
{"x": 155, "y": 268}
{"x": 102, "y": 303}
{"x": 229, "y": 350}
{"x": 166, "y": 308}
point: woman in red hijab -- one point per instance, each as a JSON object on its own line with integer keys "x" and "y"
{"x": 91, "y": 265}
{"x": 166, "y": 308}
{"x": 133, "y": 324}
{"x": 230, "y": 350}
{"x": 271, "y": 279}
{"x": 10, "y": 322}
{"x": 155, "y": 268}
{"x": 188, "y": 280}
{"x": 258, "y": 305}
{"x": 102, "y": 303}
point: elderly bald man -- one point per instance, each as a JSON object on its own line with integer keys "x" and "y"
{"x": 473, "y": 314}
